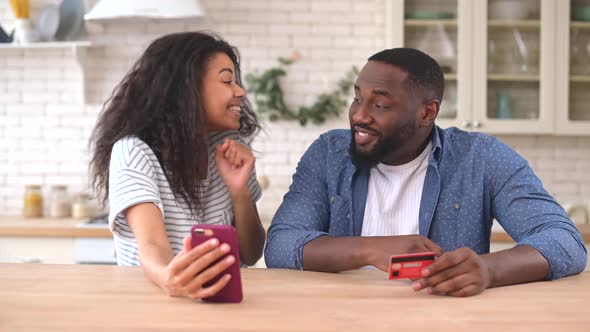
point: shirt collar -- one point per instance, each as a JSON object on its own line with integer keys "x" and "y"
{"x": 436, "y": 140}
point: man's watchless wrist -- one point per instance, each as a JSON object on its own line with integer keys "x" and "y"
{"x": 367, "y": 255}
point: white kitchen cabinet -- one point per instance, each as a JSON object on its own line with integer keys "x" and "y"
{"x": 504, "y": 78}
{"x": 523, "y": 52}
{"x": 37, "y": 250}
{"x": 404, "y": 31}
{"x": 57, "y": 250}
{"x": 573, "y": 70}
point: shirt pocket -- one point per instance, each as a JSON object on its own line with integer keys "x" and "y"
{"x": 339, "y": 216}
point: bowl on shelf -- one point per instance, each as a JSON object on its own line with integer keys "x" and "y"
{"x": 508, "y": 10}
{"x": 582, "y": 13}
{"x": 427, "y": 15}
{"x": 47, "y": 22}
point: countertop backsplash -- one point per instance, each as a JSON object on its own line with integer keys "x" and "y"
{"x": 50, "y": 98}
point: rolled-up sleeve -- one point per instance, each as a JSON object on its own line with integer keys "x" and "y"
{"x": 532, "y": 217}
{"x": 304, "y": 214}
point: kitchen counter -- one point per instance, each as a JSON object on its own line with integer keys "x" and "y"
{"x": 111, "y": 298}
{"x": 12, "y": 226}
{"x": 47, "y": 227}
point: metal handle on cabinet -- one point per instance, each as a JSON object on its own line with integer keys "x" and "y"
{"x": 476, "y": 124}
{"x": 465, "y": 124}
{"x": 31, "y": 260}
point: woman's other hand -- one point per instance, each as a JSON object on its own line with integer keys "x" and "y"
{"x": 235, "y": 163}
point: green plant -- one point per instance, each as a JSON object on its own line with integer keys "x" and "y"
{"x": 268, "y": 96}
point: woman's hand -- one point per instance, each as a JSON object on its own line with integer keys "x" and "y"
{"x": 189, "y": 271}
{"x": 235, "y": 163}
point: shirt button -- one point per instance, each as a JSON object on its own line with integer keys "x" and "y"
{"x": 457, "y": 206}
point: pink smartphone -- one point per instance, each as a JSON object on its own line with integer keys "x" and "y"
{"x": 232, "y": 292}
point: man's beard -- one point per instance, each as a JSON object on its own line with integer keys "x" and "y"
{"x": 384, "y": 146}
{"x": 369, "y": 158}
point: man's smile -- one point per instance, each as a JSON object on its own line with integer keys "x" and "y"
{"x": 364, "y": 136}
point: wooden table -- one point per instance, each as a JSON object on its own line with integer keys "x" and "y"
{"x": 84, "y": 298}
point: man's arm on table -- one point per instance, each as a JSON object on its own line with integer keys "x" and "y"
{"x": 304, "y": 214}
{"x": 548, "y": 244}
{"x": 334, "y": 254}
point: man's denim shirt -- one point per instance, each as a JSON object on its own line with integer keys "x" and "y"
{"x": 472, "y": 179}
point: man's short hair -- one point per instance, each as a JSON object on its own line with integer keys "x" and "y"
{"x": 423, "y": 71}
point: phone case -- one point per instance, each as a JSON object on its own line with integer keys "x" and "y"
{"x": 232, "y": 292}
{"x": 409, "y": 265}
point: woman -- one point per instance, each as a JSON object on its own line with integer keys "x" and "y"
{"x": 171, "y": 149}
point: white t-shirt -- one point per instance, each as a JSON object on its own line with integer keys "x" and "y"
{"x": 394, "y": 196}
{"x": 136, "y": 176}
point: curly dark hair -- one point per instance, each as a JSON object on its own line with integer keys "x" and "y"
{"x": 160, "y": 101}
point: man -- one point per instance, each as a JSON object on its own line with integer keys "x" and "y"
{"x": 396, "y": 184}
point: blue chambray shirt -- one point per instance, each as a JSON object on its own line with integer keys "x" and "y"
{"x": 472, "y": 179}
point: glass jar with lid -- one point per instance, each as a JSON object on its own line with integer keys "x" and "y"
{"x": 33, "y": 202}
{"x": 59, "y": 202}
{"x": 81, "y": 207}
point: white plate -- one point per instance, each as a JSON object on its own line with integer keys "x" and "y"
{"x": 48, "y": 22}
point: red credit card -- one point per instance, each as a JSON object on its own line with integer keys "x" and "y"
{"x": 409, "y": 265}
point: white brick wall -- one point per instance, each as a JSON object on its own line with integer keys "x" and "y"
{"x": 44, "y": 124}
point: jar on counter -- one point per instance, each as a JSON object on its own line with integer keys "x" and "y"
{"x": 33, "y": 202}
{"x": 59, "y": 202}
{"x": 81, "y": 207}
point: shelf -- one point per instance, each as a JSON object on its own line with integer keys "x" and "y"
{"x": 580, "y": 78}
{"x": 429, "y": 23}
{"x": 580, "y": 25}
{"x": 72, "y": 45}
{"x": 525, "y": 24}
{"x": 513, "y": 77}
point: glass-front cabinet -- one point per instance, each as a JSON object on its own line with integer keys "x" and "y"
{"x": 573, "y": 67}
{"x": 441, "y": 29}
{"x": 506, "y": 62}
{"x": 513, "y": 49}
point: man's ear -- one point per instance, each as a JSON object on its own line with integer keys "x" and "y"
{"x": 429, "y": 112}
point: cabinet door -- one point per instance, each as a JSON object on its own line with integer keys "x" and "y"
{"x": 513, "y": 66}
{"x": 36, "y": 250}
{"x": 440, "y": 29}
{"x": 573, "y": 68}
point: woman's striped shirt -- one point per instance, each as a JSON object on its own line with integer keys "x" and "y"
{"x": 136, "y": 176}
